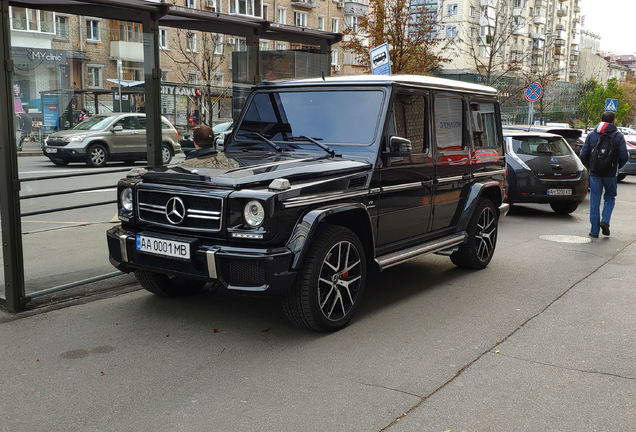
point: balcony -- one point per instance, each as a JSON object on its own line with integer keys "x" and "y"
{"x": 517, "y": 48}
{"x": 487, "y": 3}
{"x": 559, "y": 42}
{"x": 577, "y": 9}
{"x": 305, "y": 4}
{"x": 520, "y": 31}
{"x": 354, "y": 8}
{"x": 540, "y": 20}
{"x": 540, "y": 4}
{"x": 560, "y": 27}
{"x": 520, "y": 12}
{"x": 562, "y": 12}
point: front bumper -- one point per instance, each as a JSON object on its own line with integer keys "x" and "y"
{"x": 630, "y": 167}
{"x": 65, "y": 153}
{"x": 254, "y": 270}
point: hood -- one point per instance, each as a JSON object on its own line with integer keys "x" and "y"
{"x": 252, "y": 169}
{"x": 70, "y": 132}
{"x": 604, "y": 127}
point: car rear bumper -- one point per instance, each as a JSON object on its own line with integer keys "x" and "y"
{"x": 265, "y": 271}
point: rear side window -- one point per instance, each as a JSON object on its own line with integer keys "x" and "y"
{"x": 536, "y": 146}
{"x": 449, "y": 123}
{"x": 410, "y": 118}
{"x": 484, "y": 124}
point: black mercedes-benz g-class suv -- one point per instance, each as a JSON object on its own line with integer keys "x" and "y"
{"x": 318, "y": 180}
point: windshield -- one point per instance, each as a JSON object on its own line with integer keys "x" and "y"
{"x": 539, "y": 146}
{"x": 331, "y": 117}
{"x": 94, "y": 123}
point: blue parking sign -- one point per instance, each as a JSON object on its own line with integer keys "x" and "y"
{"x": 611, "y": 105}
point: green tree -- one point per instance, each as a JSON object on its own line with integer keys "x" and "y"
{"x": 409, "y": 29}
{"x": 615, "y": 91}
{"x": 591, "y": 101}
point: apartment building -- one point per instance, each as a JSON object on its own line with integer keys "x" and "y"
{"x": 543, "y": 36}
{"x": 69, "y": 54}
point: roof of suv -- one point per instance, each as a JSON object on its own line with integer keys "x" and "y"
{"x": 427, "y": 81}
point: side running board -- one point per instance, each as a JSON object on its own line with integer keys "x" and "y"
{"x": 395, "y": 258}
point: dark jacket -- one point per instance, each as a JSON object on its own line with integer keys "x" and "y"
{"x": 201, "y": 152}
{"x": 592, "y": 140}
{"x": 26, "y": 123}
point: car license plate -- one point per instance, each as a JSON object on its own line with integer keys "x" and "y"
{"x": 50, "y": 150}
{"x": 167, "y": 248}
{"x": 559, "y": 191}
{"x": 632, "y": 155}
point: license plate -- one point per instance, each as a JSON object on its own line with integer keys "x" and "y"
{"x": 632, "y": 155}
{"x": 167, "y": 248}
{"x": 559, "y": 191}
{"x": 50, "y": 150}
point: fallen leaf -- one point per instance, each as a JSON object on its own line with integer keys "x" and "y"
{"x": 497, "y": 352}
{"x": 216, "y": 330}
{"x": 103, "y": 374}
{"x": 266, "y": 330}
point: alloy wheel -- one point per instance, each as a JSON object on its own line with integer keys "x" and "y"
{"x": 339, "y": 281}
{"x": 486, "y": 235}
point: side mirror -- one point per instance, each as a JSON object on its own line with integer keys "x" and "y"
{"x": 117, "y": 129}
{"x": 399, "y": 147}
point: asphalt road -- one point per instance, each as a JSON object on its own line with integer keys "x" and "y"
{"x": 541, "y": 340}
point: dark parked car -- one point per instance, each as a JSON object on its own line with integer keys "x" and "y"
{"x": 630, "y": 167}
{"x": 320, "y": 179}
{"x": 572, "y": 136}
{"x": 542, "y": 168}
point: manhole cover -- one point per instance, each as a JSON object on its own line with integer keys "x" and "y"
{"x": 566, "y": 239}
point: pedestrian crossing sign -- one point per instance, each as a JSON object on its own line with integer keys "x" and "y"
{"x": 611, "y": 105}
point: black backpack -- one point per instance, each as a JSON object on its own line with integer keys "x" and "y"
{"x": 603, "y": 156}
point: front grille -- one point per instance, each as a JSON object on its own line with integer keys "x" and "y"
{"x": 245, "y": 273}
{"x": 58, "y": 142}
{"x": 187, "y": 211}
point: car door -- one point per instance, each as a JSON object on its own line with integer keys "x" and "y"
{"x": 452, "y": 158}
{"x": 128, "y": 140}
{"x": 406, "y": 182}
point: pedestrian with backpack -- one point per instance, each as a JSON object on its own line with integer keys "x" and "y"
{"x": 603, "y": 153}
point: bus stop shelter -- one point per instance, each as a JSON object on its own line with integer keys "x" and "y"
{"x": 152, "y": 15}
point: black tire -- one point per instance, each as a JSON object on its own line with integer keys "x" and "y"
{"x": 621, "y": 177}
{"x": 168, "y": 286}
{"x": 564, "y": 207}
{"x": 97, "y": 156}
{"x": 59, "y": 162}
{"x": 477, "y": 251}
{"x": 166, "y": 154}
{"x": 325, "y": 297}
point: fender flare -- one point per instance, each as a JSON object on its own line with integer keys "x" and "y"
{"x": 476, "y": 192}
{"x": 307, "y": 227}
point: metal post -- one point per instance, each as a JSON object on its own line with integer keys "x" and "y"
{"x": 9, "y": 181}
{"x": 252, "y": 41}
{"x": 152, "y": 76}
{"x": 531, "y": 113}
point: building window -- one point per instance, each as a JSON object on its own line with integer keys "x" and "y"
{"x": 61, "y": 27}
{"x": 244, "y": 7}
{"x": 32, "y": 20}
{"x": 452, "y": 9}
{"x": 264, "y": 45}
{"x": 335, "y": 24}
{"x": 471, "y": 11}
{"x": 334, "y": 57}
{"x": 92, "y": 30}
{"x": 352, "y": 22}
{"x": 217, "y": 40}
{"x": 280, "y": 46}
{"x": 266, "y": 12}
{"x": 191, "y": 4}
{"x": 192, "y": 78}
{"x": 218, "y": 79}
{"x": 165, "y": 75}
{"x": 191, "y": 41}
{"x": 451, "y": 32}
{"x": 95, "y": 76}
{"x": 282, "y": 16}
{"x": 163, "y": 39}
{"x": 321, "y": 23}
{"x": 300, "y": 19}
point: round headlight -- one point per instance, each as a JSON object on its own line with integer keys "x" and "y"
{"x": 254, "y": 213}
{"x": 126, "y": 200}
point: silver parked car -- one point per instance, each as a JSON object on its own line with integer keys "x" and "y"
{"x": 109, "y": 137}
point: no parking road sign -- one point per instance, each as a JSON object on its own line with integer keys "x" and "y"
{"x": 534, "y": 92}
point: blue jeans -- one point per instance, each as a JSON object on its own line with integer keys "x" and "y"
{"x": 597, "y": 184}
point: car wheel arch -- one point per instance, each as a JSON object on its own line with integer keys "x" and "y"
{"x": 353, "y": 216}
{"x": 490, "y": 191}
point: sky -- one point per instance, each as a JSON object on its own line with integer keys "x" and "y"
{"x": 614, "y": 21}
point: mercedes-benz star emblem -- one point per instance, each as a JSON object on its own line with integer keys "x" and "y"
{"x": 175, "y": 210}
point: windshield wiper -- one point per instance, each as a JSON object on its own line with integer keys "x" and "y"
{"x": 325, "y": 147}
{"x": 271, "y": 143}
